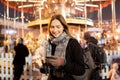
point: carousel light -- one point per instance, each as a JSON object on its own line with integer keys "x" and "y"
{"x": 35, "y": 0}
{"x": 10, "y": 31}
{"x": 25, "y": 6}
{"x": 17, "y": 0}
{"x": 88, "y": 5}
{"x": 118, "y": 30}
{"x": 27, "y": 0}
{"x": 80, "y": 9}
{"x": 65, "y": 0}
{"x": 99, "y": 0}
{"x": 89, "y": 0}
{"x": 46, "y": 6}
{"x": 53, "y": 1}
{"x": 30, "y": 5}
{"x": 73, "y": 4}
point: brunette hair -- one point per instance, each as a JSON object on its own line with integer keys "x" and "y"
{"x": 86, "y": 35}
{"x": 62, "y": 21}
{"x": 20, "y": 41}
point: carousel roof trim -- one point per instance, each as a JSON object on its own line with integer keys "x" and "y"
{"x": 26, "y": 10}
{"x": 11, "y": 23}
{"x": 80, "y": 21}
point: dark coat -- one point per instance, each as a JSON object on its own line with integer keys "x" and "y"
{"x": 21, "y": 51}
{"x": 90, "y": 41}
{"x": 74, "y": 61}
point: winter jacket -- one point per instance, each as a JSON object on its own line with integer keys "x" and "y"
{"x": 74, "y": 62}
{"x": 21, "y": 51}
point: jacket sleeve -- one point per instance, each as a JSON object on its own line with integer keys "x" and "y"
{"x": 74, "y": 58}
{"x": 95, "y": 53}
{"x": 26, "y": 51}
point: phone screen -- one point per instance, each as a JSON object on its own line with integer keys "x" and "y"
{"x": 50, "y": 57}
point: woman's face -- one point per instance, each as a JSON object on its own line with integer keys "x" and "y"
{"x": 56, "y": 28}
{"x": 115, "y": 66}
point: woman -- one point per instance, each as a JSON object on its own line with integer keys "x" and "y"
{"x": 114, "y": 73}
{"x": 64, "y": 54}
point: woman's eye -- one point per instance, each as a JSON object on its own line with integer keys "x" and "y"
{"x": 58, "y": 26}
{"x": 52, "y": 27}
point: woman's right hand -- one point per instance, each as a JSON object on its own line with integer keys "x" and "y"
{"x": 55, "y": 61}
{"x": 37, "y": 63}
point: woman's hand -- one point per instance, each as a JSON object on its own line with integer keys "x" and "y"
{"x": 37, "y": 63}
{"x": 55, "y": 61}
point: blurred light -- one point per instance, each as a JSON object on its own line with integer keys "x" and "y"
{"x": 88, "y": 0}
{"x": 30, "y": 5}
{"x": 10, "y": 31}
{"x": 53, "y": 1}
{"x": 35, "y": 0}
{"x": 116, "y": 37}
{"x": 56, "y": 7}
{"x": 80, "y": 9}
{"x": 46, "y": 6}
{"x": 17, "y": 0}
{"x": 108, "y": 35}
{"x": 88, "y": 5}
{"x": 118, "y": 30}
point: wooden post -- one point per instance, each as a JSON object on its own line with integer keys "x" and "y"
{"x": 5, "y": 21}
{"x": 85, "y": 15}
{"x": 8, "y": 16}
{"x": 113, "y": 17}
{"x": 22, "y": 17}
{"x": 100, "y": 15}
{"x": 14, "y": 23}
{"x": 41, "y": 30}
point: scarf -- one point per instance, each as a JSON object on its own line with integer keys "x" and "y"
{"x": 61, "y": 44}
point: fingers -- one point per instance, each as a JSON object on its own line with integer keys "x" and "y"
{"x": 37, "y": 63}
{"x": 54, "y": 61}
{"x": 52, "y": 57}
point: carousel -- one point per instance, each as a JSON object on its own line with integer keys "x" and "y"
{"x": 34, "y": 15}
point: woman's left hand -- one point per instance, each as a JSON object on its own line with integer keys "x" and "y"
{"x": 55, "y": 61}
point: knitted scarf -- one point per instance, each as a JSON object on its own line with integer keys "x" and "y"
{"x": 61, "y": 44}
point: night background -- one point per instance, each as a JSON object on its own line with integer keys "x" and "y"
{"x": 106, "y": 15}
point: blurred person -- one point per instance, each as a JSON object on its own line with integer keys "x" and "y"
{"x": 39, "y": 53}
{"x": 103, "y": 34}
{"x": 90, "y": 39}
{"x": 114, "y": 72}
{"x": 113, "y": 44}
{"x": 10, "y": 43}
{"x": 64, "y": 53}
{"x": 83, "y": 44}
{"x": 91, "y": 45}
{"x": 21, "y": 51}
{"x": 103, "y": 37}
{"x": 6, "y": 46}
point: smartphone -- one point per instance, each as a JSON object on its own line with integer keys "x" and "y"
{"x": 50, "y": 57}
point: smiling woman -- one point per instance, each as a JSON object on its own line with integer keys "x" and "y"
{"x": 64, "y": 54}
{"x": 56, "y": 28}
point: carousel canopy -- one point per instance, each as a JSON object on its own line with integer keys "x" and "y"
{"x": 54, "y": 6}
{"x": 73, "y": 8}
{"x": 50, "y": 4}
